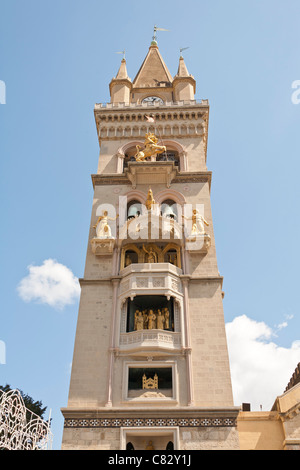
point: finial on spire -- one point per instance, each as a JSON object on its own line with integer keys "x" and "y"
{"x": 122, "y": 52}
{"x": 154, "y": 38}
{"x": 182, "y": 49}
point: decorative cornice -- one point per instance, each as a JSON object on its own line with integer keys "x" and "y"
{"x": 188, "y": 177}
{"x": 120, "y": 81}
{"x": 291, "y": 413}
{"x": 146, "y": 106}
{"x": 116, "y": 418}
{"x": 110, "y": 179}
{"x": 121, "y": 179}
{"x": 184, "y": 278}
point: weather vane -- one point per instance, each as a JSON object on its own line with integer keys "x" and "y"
{"x": 154, "y": 38}
{"x": 121, "y": 52}
{"x": 183, "y": 49}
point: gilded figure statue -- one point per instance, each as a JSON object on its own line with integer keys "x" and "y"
{"x": 139, "y": 320}
{"x": 151, "y": 318}
{"x": 127, "y": 260}
{"x": 198, "y": 223}
{"x": 160, "y": 319}
{"x": 150, "y": 446}
{"x": 151, "y": 255}
{"x": 166, "y": 318}
{"x": 150, "y": 200}
{"x": 102, "y": 227}
{"x": 151, "y": 148}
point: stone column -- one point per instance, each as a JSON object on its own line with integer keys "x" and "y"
{"x": 187, "y": 349}
{"x": 115, "y": 283}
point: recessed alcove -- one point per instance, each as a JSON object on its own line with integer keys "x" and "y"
{"x": 150, "y": 381}
{"x": 150, "y": 312}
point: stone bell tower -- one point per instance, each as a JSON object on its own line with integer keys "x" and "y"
{"x": 150, "y": 366}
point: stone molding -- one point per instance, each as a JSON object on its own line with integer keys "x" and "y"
{"x": 168, "y": 104}
{"x": 121, "y": 179}
{"x": 187, "y": 278}
{"x": 104, "y": 422}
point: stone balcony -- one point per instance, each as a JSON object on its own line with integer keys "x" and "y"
{"x": 151, "y": 172}
{"x": 154, "y": 278}
{"x": 150, "y": 340}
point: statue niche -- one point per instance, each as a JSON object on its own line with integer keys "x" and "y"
{"x": 150, "y": 253}
{"x": 150, "y": 312}
{"x": 152, "y": 319}
{"x": 144, "y": 382}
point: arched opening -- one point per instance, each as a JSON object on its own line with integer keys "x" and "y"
{"x": 169, "y": 209}
{"x": 150, "y": 312}
{"x": 129, "y": 446}
{"x": 170, "y": 446}
{"x": 175, "y": 151}
{"x": 150, "y": 253}
{"x": 130, "y": 257}
{"x": 134, "y": 209}
{"x": 129, "y": 156}
{"x": 169, "y": 156}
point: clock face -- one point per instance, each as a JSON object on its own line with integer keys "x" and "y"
{"x": 153, "y": 100}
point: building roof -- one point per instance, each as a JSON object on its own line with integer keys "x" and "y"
{"x": 153, "y": 70}
{"x": 295, "y": 379}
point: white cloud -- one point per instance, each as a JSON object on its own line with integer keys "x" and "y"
{"x": 260, "y": 369}
{"x": 51, "y": 283}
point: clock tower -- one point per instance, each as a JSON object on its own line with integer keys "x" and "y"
{"x": 150, "y": 367}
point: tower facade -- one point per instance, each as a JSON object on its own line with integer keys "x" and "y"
{"x": 150, "y": 366}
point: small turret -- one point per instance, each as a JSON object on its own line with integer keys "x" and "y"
{"x": 120, "y": 86}
{"x": 184, "y": 84}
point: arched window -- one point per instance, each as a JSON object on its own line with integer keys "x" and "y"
{"x": 129, "y": 156}
{"x": 169, "y": 156}
{"x": 169, "y": 209}
{"x": 150, "y": 312}
{"x": 131, "y": 256}
{"x": 134, "y": 209}
{"x": 175, "y": 151}
{"x": 170, "y": 446}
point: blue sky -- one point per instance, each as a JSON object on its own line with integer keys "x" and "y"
{"x": 57, "y": 59}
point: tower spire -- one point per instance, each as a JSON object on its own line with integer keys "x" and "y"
{"x": 120, "y": 86}
{"x": 184, "y": 83}
{"x": 122, "y": 72}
